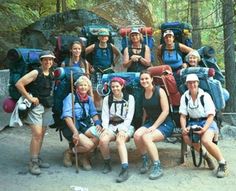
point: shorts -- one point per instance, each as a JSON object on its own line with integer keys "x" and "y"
{"x": 130, "y": 131}
{"x": 67, "y": 133}
{"x": 96, "y": 78}
{"x": 39, "y": 115}
{"x": 166, "y": 128}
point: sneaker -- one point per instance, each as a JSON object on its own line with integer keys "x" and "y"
{"x": 68, "y": 158}
{"x": 209, "y": 162}
{"x": 145, "y": 166}
{"x": 123, "y": 176}
{"x": 107, "y": 167}
{"x": 222, "y": 171}
{"x": 43, "y": 164}
{"x": 34, "y": 167}
{"x": 156, "y": 172}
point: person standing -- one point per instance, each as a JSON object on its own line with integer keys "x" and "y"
{"x": 36, "y": 87}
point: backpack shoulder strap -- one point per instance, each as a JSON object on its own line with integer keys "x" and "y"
{"x": 201, "y": 100}
{"x": 163, "y": 48}
{"x": 110, "y": 100}
{"x": 109, "y": 47}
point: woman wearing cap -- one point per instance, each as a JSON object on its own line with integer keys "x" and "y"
{"x": 137, "y": 57}
{"x": 157, "y": 125}
{"x": 36, "y": 87}
{"x": 117, "y": 115}
{"x": 82, "y": 110}
{"x": 104, "y": 57}
{"x": 198, "y": 109}
{"x": 170, "y": 53}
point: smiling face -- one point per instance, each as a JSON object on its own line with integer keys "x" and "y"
{"x": 193, "y": 61}
{"x": 76, "y": 50}
{"x": 193, "y": 86}
{"x": 169, "y": 39}
{"x": 146, "y": 80}
{"x": 83, "y": 87}
{"x": 116, "y": 89}
{"x": 47, "y": 63}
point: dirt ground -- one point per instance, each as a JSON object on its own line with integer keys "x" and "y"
{"x": 14, "y": 175}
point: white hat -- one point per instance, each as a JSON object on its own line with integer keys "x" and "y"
{"x": 193, "y": 53}
{"x": 134, "y": 30}
{"x": 168, "y": 32}
{"x": 192, "y": 77}
{"x": 47, "y": 54}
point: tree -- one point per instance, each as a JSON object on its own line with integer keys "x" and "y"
{"x": 229, "y": 53}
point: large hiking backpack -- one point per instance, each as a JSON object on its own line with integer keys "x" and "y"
{"x": 207, "y": 83}
{"x": 147, "y": 33}
{"x": 62, "y": 49}
{"x": 182, "y": 32}
{"x": 21, "y": 61}
{"x": 90, "y": 32}
{"x": 163, "y": 76}
{"x": 62, "y": 89}
{"x": 209, "y": 60}
{"x": 132, "y": 87}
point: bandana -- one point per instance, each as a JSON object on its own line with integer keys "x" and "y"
{"x": 82, "y": 98}
{"x": 121, "y": 81}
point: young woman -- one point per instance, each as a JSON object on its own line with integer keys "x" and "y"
{"x": 137, "y": 57}
{"x": 157, "y": 125}
{"x": 117, "y": 115}
{"x": 39, "y": 84}
{"x": 80, "y": 107}
{"x": 203, "y": 117}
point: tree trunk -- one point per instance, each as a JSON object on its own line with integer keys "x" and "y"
{"x": 229, "y": 54}
{"x": 58, "y": 6}
{"x": 196, "y": 34}
{"x": 165, "y": 10}
{"x": 63, "y": 5}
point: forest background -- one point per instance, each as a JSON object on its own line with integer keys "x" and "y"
{"x": 213, "y": 24}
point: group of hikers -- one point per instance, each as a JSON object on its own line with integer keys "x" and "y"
{"x": 86, "y": 129}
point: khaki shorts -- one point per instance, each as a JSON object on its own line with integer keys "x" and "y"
{"x": 39, "y": 115}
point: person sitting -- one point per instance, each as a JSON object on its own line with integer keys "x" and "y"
{"x": 104, "y": 56}
{"x": 157, "y": 125}
{"x": 78, "y": 116}
{"x": 117, "y": 114}
{"x": 194, "y": 113}
{"x": 137, "y": 57}
{"x": 170, "y": 53}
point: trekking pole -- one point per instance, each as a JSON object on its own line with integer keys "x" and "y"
{"x": 73, "y": 115}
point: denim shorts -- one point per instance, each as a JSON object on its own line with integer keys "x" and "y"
{"x": 166, "y": 128}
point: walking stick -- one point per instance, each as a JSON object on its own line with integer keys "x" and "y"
{"x": 73, "y": 114}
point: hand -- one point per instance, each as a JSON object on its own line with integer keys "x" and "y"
{"x": 151, "y": 129}
{"x": 121, "y": 135}
{"x": 185, "y": 130}
{"x": 76, "y": 138}
{"x": 99, "y": 129}
{"x": 34, "y": 101}
{"x": 135, "y": 58}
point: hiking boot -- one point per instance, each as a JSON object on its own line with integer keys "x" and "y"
{"x": 145, "y": 166}
{"x": 68, "y": 158}
{"x": 84, "y": 160}
{"x": 156, "y": 171}
{"x": 34, "y": 167}
{"x": 43, "y": 164}
{"x": 222, "y": 171}
{"x": 209, "y": 162}
{"x": 123, "y": 176}
{"x": 107, "y": 167}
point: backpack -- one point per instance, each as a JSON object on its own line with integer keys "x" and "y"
{"x": 132, "y": 87}
{"x": 90, "y": 32}
{"x": 148, "y": 39}
{"x": 21, "y": 61}
{"x": 181, "y": 30}
{"x": 62, "y": 49}
{"x": 207, "y": 83}
{"x": 124, "y": 100}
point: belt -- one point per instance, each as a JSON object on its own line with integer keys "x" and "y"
{"x": 198, "y": 119}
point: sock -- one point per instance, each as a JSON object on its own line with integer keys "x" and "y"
{"x": 124, "y": 165}
{"x": 145, "y": 156}
{"x": 222, "y": 161}
{"x": 156, "y": 162}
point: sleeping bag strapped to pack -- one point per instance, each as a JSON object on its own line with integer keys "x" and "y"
{"x": 62, "y": 89}
{"x": 147, "y": 33}
{"x": 21, "y": 61}
{"x": 182, "y": 32}
{"x": 63, "y": 43}
{"x": 208, "y": 59}
{"x": 207, "y": 83}
{"x": 132, "y": 87}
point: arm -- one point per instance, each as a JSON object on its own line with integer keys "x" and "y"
{"x": 25, "y": 80}
{"x": 165, "y": 110}
{"x": 116, "y": 53}
{"x": 105, "y": 113}
{"x": 159, "y": 55}
{"x": 126, "y": 60}
{"x": 89, "y": 49}
{"x": 184, "y": 48}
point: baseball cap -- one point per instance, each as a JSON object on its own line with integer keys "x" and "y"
{"x": 134, "y": 30}
{"x": 192, "y": 77}
{"x": 168, "y": 32}
{"x": 103, "y": 32}
{"x": 47, "y": 54}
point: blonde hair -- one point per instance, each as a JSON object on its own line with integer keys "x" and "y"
{"x": 87, "y": 80}
{"x": 193, "y": 53}
{"x": 140, "y": 34}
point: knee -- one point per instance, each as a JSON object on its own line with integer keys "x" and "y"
{"x": 89, "y": 145}
{"x": 119, "y": 141}
{"x": 103, "y": 142}
{"x": 137, "y": 136}
{"x": 146, "y": 138}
